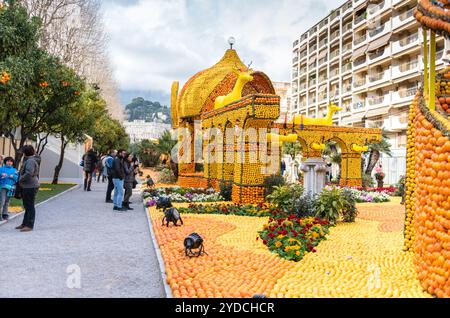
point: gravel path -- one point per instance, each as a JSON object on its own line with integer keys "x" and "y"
{"x": 78, "y": 232}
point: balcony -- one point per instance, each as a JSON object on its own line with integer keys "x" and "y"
{"x": 359, "y": 105}
{"x": 380, "y": 30}
{"x": 295, "y": 60}
{"x": 405, "y": 69}
{"x": 358, "y": 20}
{"x": 295, "y": 43}
{"x": 359, "y": 83}
{"x": 347, "y": 28}
{"x": 295, "y": 75}
{"x": 359, "y": 63}
{"x": 334, "y": 72}
{"x": 312, "y": 65}
{"x": 347, "y": 47}
{"x": 304, "y": 37}
{"x": 404, "y": 95}
{"x": 359, "y": 40}
{"x": 312, "y": 31}
{"x": 322, "y": 24}
{"x": 405, "y": 43}
{"x": 334, "y": 15}
{"x": 334, "y": 54}
{"x": 347, "y": 8}
{"x": 323, "y": 42}
{"x": 403, "y": 18}
{"x": 380, "y": 77}
{"x": 346, "y": 68}
{"x": 312, "y": 82}
{"x": 375, "y": 101}
{"x": 378, "y": 8}
{"x": 312, "y": 49}
{"x": 380, "y": 55}
{"x": 323, "y": 97}
{"x": 322, "y": 77}
{"x": 302, "y": 70}
{"x": 303, "y": 54}
{"x": 302, "y": 87}
{"x": 323, "y": 60}
{"x": 334, "y": 36}
{"x": 346, "y": 89}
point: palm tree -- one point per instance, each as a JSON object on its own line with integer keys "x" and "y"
{"x": 292, "y": 149}
{"x": 166, "y": 143}
{"x": 332, "y": 152}
{"x": 375, "y": 151}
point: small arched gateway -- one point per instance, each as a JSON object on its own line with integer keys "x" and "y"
{"x": 235, "y": 107}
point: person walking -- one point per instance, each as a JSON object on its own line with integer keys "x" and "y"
{"x": 129, "y": 169}
{"x": 118, "y": 176}
{"x": 8, "y": 179}
{"x": 108, "y": 167}
{"x": 90, "y": 162}
{"x": 29, "y": 183}
{"x": 100, "y": 170}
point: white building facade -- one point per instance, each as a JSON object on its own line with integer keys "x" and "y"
{"x": 366, "y": 57}
{"x": 283, "y": 89}
{"x": 139, "y": 130}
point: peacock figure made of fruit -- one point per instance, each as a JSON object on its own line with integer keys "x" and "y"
{"x": 427, "y": 201}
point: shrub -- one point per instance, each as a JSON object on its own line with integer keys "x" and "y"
{"x": 329, "y": 204}
{"x": 349, "y": 210}
{"x": 283, "y": 197}
{"x": 166, "y": 176}
{"x": 272, "y": 181}
{"x": 367, "y": 181}
{"x": 400, "y": 187}
{"x": 242, "y": 210}
{"x": 292, "y": 237}
{"x": 304, "y": 206}
{"x": 226, "y": 189}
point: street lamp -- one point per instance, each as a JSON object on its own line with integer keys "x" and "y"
{"x": 231, "y": 41}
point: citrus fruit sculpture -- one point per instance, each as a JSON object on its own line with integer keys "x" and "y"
{"x": 427, "y": 224}
{"x": 231, "y": 96}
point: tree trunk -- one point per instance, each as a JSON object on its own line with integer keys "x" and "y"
{"x": 373, "y": 159}
{"x": 60, "y": 162}
{"x": 17, "y": 153}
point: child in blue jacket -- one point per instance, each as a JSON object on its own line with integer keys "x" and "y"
{"x": 8, "y": 180}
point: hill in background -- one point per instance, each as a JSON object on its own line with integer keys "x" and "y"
{"x": 141, "y": 109}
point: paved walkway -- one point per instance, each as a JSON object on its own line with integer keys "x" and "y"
{"x": 113, "y": 252}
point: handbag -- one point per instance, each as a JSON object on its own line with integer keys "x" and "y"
{"x": 18, "y": 192}
{"x": 134, "y": 183}
{"x": 82, "y": 163}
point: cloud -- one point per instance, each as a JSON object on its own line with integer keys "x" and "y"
{"x": 154, "y": 42}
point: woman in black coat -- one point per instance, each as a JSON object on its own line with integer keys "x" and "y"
{"x": 89, "y": 165}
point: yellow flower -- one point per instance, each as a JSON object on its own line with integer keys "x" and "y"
{"x": 315, "y": 234}
{"x": 280, "y": 236}
{"x": 287, "y": 248}
{"x": 297, "y": 253}
{"x": 278, "y": 244}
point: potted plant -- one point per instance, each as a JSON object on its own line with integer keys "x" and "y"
{"x": 379, "y": 175}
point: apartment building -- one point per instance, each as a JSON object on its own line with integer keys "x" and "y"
{"x": 366, "y": 57}
{"x": 283, "y": 89}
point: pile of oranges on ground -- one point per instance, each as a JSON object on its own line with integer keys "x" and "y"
{"x": 361, "y": 259}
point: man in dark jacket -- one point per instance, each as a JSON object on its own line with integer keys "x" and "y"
{"x": 118, "y": 176}
{"x": 109, "y": 164}
{"x": 29, "y": 182}
{"x": 90, "y": 162}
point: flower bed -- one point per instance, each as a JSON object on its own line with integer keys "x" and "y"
{"x": 292, "y": 237}
{"x": 374, "y": 195}
{"x": 178, "y": 194}
{"x": 259, "y": 210}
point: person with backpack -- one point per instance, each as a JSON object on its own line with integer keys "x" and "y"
{"x": 29, "y": 185}
{"x": 108, "y": 169}
{"x": 89, "y": 165}
{"x": 118, "y": 176}
{"x": 8, "y": 179}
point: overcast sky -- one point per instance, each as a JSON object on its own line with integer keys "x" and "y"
{"x": 154, "y": 42}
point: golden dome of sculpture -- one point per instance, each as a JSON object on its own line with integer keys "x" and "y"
{"x": 200, "y": 91}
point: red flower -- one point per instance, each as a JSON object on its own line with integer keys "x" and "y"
{"x": 265, "y": 242}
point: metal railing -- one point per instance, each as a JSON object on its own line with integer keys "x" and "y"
{"x": 347, "y": 27}
{"x": 334, "y": 54}
{"x": 347, "y": 47}
{"x": 376, "y": 100}
{"x": 376, "y": 77}
{"x": 334, "y": 35}
{"x": 359, "y": 82}
{"x": 376, "y": 8}
{"x": 323, "y": 42}
{"x": 359, "y": 19}
{"x": 313, "y": 48}
{"x": 376, "y": 31}
{"x": 376, "y": 54}
{"x": 409, "y": 39}
{"x": 359, "y": 105}
{"x": 404, "y": 67}
{"x": 334, "y": 72}
{"x": 360, "y": 39}
{"x": 407, "y": 14}
{"x": 347, "y": 67}
{"x": 322, "y": 60}
{"x": 407, "y": 92}
{"x": 359, "y": 62}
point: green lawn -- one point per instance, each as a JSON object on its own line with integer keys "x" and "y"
{"x": 46, "y": 191}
